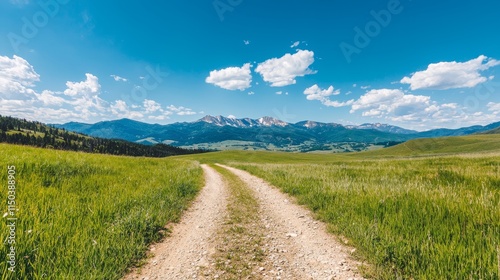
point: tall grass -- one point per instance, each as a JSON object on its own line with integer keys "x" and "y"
{"x": 83, "y": 216}
{"x": 430, "y": 218}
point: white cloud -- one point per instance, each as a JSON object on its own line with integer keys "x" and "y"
{"x": 152, "y": 106}
{"x": 80, "y": 101}
{"x": 337, "y": 104}
{"x": 246, "y": 42}
{"x": 50, "y": 98}
{"x": 181, "y": 111}
{"x": 316, "y": 93}
{"x": 295, "y": 44}
{"x": 17, "y": 76}
{"x": 494, "y": 108}
{"x": 323, "y": 95}
{"x": 279, "y": 92}
{"x": 120, "y": 109}
{"x": 449, "y": 75}
{"x": 417, "y": 111}
{"x": 251, "y": 93}
{"x": 232, "y": 78}
{"x": 84, "y": 97}
{"x": 118, "y": 78}
{"x": 393, "y": 102}
{"x": 186, "y": 113}
{"x": 283, "y": 71}
{"x": 365, "y": 87}
{"x": 88, "y": 87}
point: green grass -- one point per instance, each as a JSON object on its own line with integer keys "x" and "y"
{"x": 241, "y": 248}
{"x": 87, "y": 216}
{"x": 442, "y": 146}
{"x": 430, "y": 210}
{"x": 426, "y": 209}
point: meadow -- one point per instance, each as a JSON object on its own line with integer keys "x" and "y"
{"x": 426, "y": 209}
{"x": 88, "y": 216}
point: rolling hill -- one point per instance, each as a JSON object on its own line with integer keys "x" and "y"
{"x": 493, "y": 131}
{"x": 478, "y": 143}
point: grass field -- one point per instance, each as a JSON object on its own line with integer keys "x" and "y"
{"x": 426, "y": 209}
{"x": 413, "y": 216}
{"x": 85, "y": 216}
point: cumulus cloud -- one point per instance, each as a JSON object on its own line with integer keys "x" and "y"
{"x": 84, "y": 97}
{"x": 88, "y": 87}
{"x": 50, "y": 98}
{"x": 295, "y": 44}
{"x": 494, "y": 108}
{"x": 80, "y": 101}
{"x": 416, "y": 111}
{"x": 393, "y": 102}
{"x": 232, "y": 78}
{"x": 120, "y": 109}
{"x": 283, "y": 71}
{"x": 449, "y": 75}
{"x": 181, "y": 111}
{"x": 316, "y": 93}
{"x": 17, "y": 76}
{"x": 152, "y": 106}
{"x": 118, "y": 78}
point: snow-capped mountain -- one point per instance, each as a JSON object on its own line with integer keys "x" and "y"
{"x": 313, "y": 124}
{"x": 243, "y": 123}
{"x": 383, "y": 128}
{"x": 268, "y": 121}
{"x": 259, "y": 132}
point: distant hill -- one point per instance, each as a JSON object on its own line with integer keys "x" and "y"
{"x": 444, "y": 145}
{"x": 493, "y": 131}
{"x": 23, "y": 132}
{"x": 266, "y": 133}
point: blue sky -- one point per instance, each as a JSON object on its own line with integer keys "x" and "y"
{"x": 416, "y": 64}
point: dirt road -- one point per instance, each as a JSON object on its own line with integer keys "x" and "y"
{"x": 296, "y": 246}
{"x": 191, "y": 243}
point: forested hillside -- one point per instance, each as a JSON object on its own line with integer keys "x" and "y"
{"x": 23, "y": 132}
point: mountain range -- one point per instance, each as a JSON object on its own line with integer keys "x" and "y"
{"x": 218, "y": 132}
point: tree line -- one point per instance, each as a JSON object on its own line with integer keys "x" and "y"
{"x": 37, "y": 134}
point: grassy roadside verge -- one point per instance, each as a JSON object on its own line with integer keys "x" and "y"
{"x": 87, "y": 216}
{"x": 239, "y": 252}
